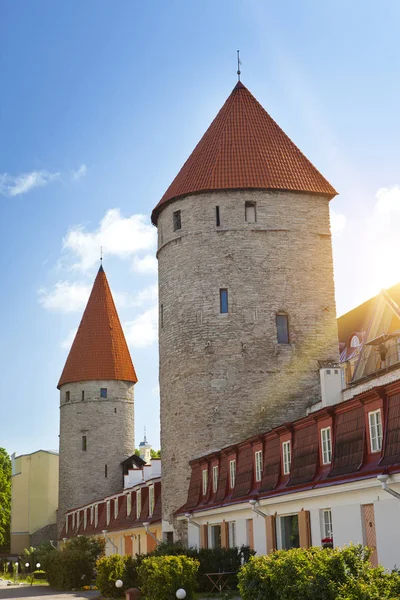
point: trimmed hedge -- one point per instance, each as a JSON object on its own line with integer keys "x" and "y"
{"x": 161, "y": 576}
{"x": 111, "y": 568}
{"x": 317, "y": 574}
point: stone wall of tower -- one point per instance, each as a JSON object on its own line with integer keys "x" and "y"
{"x": 108, "y": 424}
{"x": 224, "y": 377}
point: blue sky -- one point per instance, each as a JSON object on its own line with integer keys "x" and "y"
{"x": 102, "y": 102}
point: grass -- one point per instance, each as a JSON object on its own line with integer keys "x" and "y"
{"x": 22, "y": 579}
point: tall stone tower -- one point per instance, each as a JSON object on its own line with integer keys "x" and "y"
{"x": 246, "y": 292}
{"x": 96, "y": 405}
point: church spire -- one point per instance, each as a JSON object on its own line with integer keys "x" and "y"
{"x": 99, "y": 350}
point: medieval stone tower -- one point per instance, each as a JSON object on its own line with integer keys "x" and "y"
{"x": 96, "y": 405}
{"x": 246, "y": 292}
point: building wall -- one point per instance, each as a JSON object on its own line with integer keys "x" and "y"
{"x": 127, "y": 541}
{"x": 34, "y": 496}
{"x": 223, "y": 376}
{"x": 346, "y": 502}
{"x": 108, "y": 424}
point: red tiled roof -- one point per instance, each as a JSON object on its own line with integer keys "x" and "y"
{"x": 99, "y": 350}
{"x": 245, "y": 149}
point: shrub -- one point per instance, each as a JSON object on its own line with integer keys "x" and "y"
{"x": 212, "y": 560}
{"x": 161, "y": 576}
{"x": 316, "y": 574}
{"x": 111, "y": 568}
{"x": 73, "y": 566}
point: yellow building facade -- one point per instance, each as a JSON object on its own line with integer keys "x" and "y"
{"x": 34, "y": 499}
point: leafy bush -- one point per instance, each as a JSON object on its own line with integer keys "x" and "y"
{"x": 111, "y": 568}
{"x": 212, "y": 560}
{"x": 73, "y": 566}
{"x": 317, "y": 574}
{"x": 161, "y": 576}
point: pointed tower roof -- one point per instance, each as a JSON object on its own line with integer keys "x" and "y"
{"x": 244, "y": 149}
{"x": 99, "y": 350}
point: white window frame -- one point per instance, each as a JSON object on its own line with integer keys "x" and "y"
{"x": 108, "y": 511}
{"x": 151, "y": 500}
{"x": 232, "y": 534}
{"x": 73, "y": 520}
{"x": 128, "y": 504}
{"x": 326, "y": 520}
{"x": 84, "y": 518}
{"x": 232, "y": 473}
{"x": 66, "y": 523}
{"x": 375, "y": 430}
{"x": 326, "y": 445}
{"x": 96, "y": 515}
{"x": 215, "y": 478}
{"x": 204, "y": 478}
{"x": 91, "y": 514}
{"x": 258, "y": 464}
{"x": 138, "y": 503}
{"x": 116, "y": 507}
{"x": 286, "y": 456}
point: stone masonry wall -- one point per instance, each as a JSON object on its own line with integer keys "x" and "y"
{"x": 108, "y": 424}
{"x": 224, "y": 377}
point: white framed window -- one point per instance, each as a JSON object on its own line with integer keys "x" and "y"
{"x": 326, "y": 445}
{"x": 138, "y": 503}
{"x": 115, "y": 508}
{"x": 108, "y": 510}
{"x": 91, "y": 514}
{"x": 232, "y": 534}
{"x": 327, "y": 529}
{"x": 215, "y": 478}
{"x": 85, "y": 518}
{"x": 151, "y": 499}
{"x": 258, "y": 463}
{"x": 73, "y": 520}
{"x": 128, "y": 504}
{"x": 96, "y": 515}
{"x": 287, "y": 457}
{"x": 66, "y": 524}
{"x": 232, "y": 473}
{"x": 375, "y": 430}
{"x": 205, "y": 481}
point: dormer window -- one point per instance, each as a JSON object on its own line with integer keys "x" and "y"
{"x": 375, "y": 430}
{"x": 108, "y": 510}
{"x": 355, "y": 341}
{"x": 205, "y": 481}
{"x": 115, "y": 508}
{"x": 128, "y": 504}
{"x": 138, "y": 503}
{"x": 258, "y": 465}
{"x": 287, "y": 457}
{"x": 151, "y": 500}
{"x": 215, "y": 478}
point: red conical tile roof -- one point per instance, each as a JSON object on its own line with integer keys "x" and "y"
{"x": 245, "y": 149}
{"x": 99, "y": 350}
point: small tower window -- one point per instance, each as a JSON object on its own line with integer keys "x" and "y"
{"x": 105, "y": 471}
{"x": 83, "y": 395}
{"x": 282, "y": 329}
{"x": 177, "y": 220}
{"x": 223, "y": 300}
{"x": 162, "y": 315}
{"x": 250, "y": 212}
{"x": 217, "y": 217}
{"x": 84, "y": 443}
{"x": 67, "y": 396}
{"x": 103, "y": 392}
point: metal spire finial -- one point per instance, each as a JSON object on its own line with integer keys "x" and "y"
{"x": 239, "y": 63}
{"x": 145, "y": 434}
{"x": 101, "y": 254}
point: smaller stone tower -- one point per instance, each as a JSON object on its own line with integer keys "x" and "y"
{"x": 145, "y": 449}
{"x": 96, "y": 405}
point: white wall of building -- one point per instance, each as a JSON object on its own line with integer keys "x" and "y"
{"x": 346, "y": 504}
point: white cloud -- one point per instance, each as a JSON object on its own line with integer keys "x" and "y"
{"x": 338, "y": 223}
{"x": 67, "y": 342}
{"x": 79, "y": 173}
{"x": 117, "y": 235}
{"x": 14, "y": 185}
{"x": 143, "y": 330}
{"x": 388, "y": 200}
{"x": 148, "y": 295}
{"x": 65, "y": 296}
{"x": 145, "y": 264}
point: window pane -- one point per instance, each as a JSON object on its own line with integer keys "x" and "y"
{"x": 103, "y": 392}
{"x": 217, "y": 217}
{"x": 290, "y": 532}
{"x": 223, "y": 297}
{"x": 282, "y": 329}
{"x": 250, "y": 212}
{"x": 177, "y": 220}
